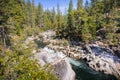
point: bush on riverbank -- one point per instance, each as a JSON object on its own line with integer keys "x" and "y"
{"x": 18, "y": 63}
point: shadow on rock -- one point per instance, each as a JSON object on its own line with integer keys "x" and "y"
{"x": 40, "y": 44}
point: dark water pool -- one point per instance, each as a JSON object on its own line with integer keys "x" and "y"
{"x": 83, "y": 72}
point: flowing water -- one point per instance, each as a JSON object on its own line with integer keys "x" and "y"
{"x": 83, "y": 72}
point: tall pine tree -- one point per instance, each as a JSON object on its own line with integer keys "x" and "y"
{"x": 58, "y": 17}
{"x": 33, "y": 14}
{"x": 79, "y": 4}
{"x": 40, "y": 14}
{"x": 71, "y": 21}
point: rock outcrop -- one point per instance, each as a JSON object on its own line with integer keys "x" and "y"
{"x": 101, "y": 59}
{"x": 61, "y": 66}
{"x": 97, "y": 55}
{"x": 48, "y": 34}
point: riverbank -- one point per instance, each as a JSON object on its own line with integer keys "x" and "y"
{"x": 97, "y": 56}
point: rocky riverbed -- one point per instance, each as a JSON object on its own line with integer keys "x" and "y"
{"x": 99, "y": 59}
{"x": 58, "y": 61}
{"x": 97, "y": 56}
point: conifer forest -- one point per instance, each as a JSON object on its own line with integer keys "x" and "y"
{"x": 79, "y": 42}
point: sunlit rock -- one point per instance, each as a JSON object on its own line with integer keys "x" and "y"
{"x": 60, "y": 63}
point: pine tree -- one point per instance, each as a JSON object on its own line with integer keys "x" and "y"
{"x": 39, "y": 19}
{"x": 28, "y": 13}
{"x": 47, "y": 20}
{"x": 3, "y": 20}
{"x": 16, "y": 20}
{"x": 87, "y": 5}
{"x": 70, "y": 6}
{"x": 58, "y": 17}
{"x": 12, "y": 18}
{"x": 97, "y": 14}
{"x": 3, "y": 11}
{"x": 54, "y": 22}
{"x": 33, "y": 14}
{"x": 79, "y": 4}
{"x": 110, "y": 21}
{"x": 86, "y": 36}
{"x": 71, "y": 21}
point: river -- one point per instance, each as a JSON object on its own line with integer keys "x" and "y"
{"x": 83, "y": 72}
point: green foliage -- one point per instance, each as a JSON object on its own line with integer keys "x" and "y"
{"x": 115, "y": 41}
{"x": 86, "y": 22}
{"x": 54, "y": 16}
{"x": 39, "y": 18}
{"x": 86, "y": 36}
{"x": 58, "y": 17}
{"x": 20, "y": 19}
{"x": 16, "y": 15}
{"x": 79, "y": 4}
{"x": 80, "y": 18}
{"x": 47, "y": 21}
{"x": 70, "y": 20}
{"x": 33, "y": 14}
{"x": 12, "y": 19}
{"x": 28, "y": 13}
{"x": 16, "y": 60}
{"x": 17, "y": 65}
{"x": 65, "y": 42}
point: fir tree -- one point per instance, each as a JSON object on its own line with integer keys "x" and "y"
{"x": 39, "y": 19}
{"x": 71, "y": 21}
{"x": 79, "y": 4}
{"x": 33, "y": 14}
{"x": 58, "y": 17}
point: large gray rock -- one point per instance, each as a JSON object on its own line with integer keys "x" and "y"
{"x": 98, "y": 58}
{"x": 59, "y": 61}
{"x": 103, "y": 60}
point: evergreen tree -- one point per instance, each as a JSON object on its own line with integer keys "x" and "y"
{"x": 3, "y": 20}
{"x": 79, "y": 4}
{"x": 11, "y": 19}
{"x": 33, "y": 14}
{"x": 71, "y": 21}
{"x": 70, "y": 7}
{"x": 47, "y": 21}
{"x": 28, "y": 13}
{"x": 3, "y": 11}
{"x": 15, "y": 61}
{"x": 86, "y": 36}
{"x": 110, "y": 21}
{"x": 39, "y": 19}
{"x": 87, "y": 5}
{"x": 54, "y": 22}
{"x": 58, "y": 17}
